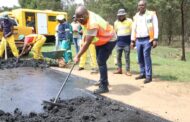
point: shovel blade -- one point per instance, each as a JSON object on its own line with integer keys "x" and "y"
{"x": 52, "y": 103}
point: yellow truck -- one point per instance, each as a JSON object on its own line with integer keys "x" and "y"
{"x": 41, "y": 21}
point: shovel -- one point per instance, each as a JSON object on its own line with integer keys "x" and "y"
{"x": 58, "y": 94}
{"x": 6, "y": 50}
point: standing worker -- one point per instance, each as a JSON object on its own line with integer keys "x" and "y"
{"x": 8, "y": 37}
{"x": 76, "y": 36}
{"x": 99, "y": 32}
{"x": 64, "y": 38}
{"x": 145, "y": 34}
{"x": 34, "y": 43}
{"x": 123, "y": 29}
{"x": 92, "y": 54}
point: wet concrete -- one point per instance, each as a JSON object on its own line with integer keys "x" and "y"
{"x": 14, "y": 63}
{"x": 26, "y": 88}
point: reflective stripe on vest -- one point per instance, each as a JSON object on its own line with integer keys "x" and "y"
{"x": 105, "y": 31}
{"x": 123, "y": 28}
{"x": 149, "y": 23}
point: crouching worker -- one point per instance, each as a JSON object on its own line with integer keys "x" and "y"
{"x": 34, "y": 43}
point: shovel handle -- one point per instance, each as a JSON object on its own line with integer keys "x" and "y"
{"x": 63, "y": 84}
{"x": 6, "y": 50}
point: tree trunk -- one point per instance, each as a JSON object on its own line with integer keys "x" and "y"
{"x": 169, "y": 39}
{"x": 182, "y": 32}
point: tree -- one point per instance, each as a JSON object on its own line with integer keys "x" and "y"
{"x": 41, "y": 4}
{"x": 182, "y": 5}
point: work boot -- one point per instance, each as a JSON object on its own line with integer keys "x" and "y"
{"x": 119, "y": 71}
{"x": 147, "y": 80}
{"x": 81, "y": 68}
{"x": 94, "y": 71}
{"x": 97, "y": 83}
{"x": 101, "y": 90}
{"x": 140, "y": 77}
{"x": 128, "y": 73}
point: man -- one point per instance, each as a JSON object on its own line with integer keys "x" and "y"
{"x": 145, "y": 32}
{"x": 97, "y": 31}
{"x": 123, "y": 29}
{"x": 8, "y": 37}
{"x": 76, "y": 36}
{"x": 64, "y": 32}
{"x": 34, "y": 43}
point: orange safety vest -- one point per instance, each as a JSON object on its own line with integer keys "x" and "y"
{"x": 149, "y": 23}
{"x": 105, "y": 30}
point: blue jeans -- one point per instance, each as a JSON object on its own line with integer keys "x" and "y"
{"x": 76, "y": 43}
{"x": 144, "y": 56}
{"x": 126, "y": 50}
{"x": 102, "y": 54}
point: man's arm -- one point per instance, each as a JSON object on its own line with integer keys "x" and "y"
{"x": 10, "y": 33}
{"x": 133, "y": 28}
{"x": 23, "y": 50}
{"x": 156, "y": 31}
{"x": 87, "y": 42}
{"x": 88, "y": 37}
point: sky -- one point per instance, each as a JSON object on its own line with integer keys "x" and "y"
{"x": 79, "y": 1}
{"x": 9, "y": 3}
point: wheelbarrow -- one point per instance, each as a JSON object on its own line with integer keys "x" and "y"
{"x": 55, "y": 58}
{"x": 53, "y": 54}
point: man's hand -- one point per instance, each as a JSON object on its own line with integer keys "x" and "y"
{"x": 7, "y": 35}
{"x": 132, "y": 44}
{"x": 76, "y": 59}
{"x": 154, "y": 43}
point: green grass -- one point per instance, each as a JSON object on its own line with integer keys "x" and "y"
{"x": 166, "y": 63}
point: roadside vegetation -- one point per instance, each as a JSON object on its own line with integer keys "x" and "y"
{"x": 167, "y": 65}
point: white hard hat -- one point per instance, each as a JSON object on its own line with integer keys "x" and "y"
{"x": 121, "y": 12}
{"x": 60, "y": 17}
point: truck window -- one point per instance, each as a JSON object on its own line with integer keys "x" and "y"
{"x": 52, "y": 18}
{"x": 30, "y": 19}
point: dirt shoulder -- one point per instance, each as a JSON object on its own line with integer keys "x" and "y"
{"x": 168, "y": 100}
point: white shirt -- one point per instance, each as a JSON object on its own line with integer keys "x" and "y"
{"x": 75, "y": 26}
{"x": 141, "y": 27}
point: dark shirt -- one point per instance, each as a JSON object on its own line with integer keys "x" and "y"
{"x": 6, "y": 25}
{"x": 61, "y": 31}
{"x": 123, "y": 40}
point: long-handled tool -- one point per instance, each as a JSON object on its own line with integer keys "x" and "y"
{"x": 58, "y": 94}
{"x": 6, "y": 50}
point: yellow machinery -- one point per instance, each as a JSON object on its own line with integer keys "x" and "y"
{"x": 41, "y": 21}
